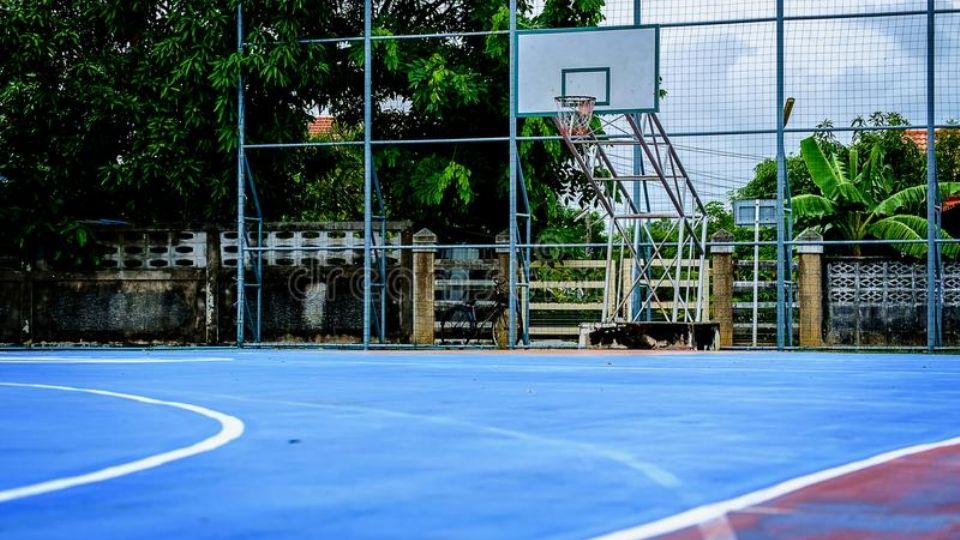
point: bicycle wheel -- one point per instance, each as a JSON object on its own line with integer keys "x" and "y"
{"x": 458, "y": 326}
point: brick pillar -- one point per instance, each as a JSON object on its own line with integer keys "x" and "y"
{"x": 503, "y": 275}
{"x": 423, "y": 286}
{"x": 722, "y": 270}
{"x": 503, "y": 256}
{"x": 212, "y": 288}
{"x": 811, "y": 290}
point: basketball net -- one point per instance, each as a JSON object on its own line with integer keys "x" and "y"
{"x": 574, "y": 114}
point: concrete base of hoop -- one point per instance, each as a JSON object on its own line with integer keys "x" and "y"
{"x": 702, "y": 336}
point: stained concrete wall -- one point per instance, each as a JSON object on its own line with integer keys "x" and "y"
{"x": 11, "y": 307}
{"x": 103, "y": 307}
{"x": 186, "y": 307}
{"x": 193, "y": 305}
{"x": 119, "y": 307}
{"x": 301, "y": 304}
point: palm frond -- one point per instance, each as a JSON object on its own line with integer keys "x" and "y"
{"x": 949, "y": 250}
{"x": 821, "y": 171}
{"x": 849, "y": 192}
{"x": 900, "y": 228}
{"x": 810, "y": 205}
{"x": 913, "y": 196}
{"x": 840, "y": 169}
{"x": 854, "y": 161}
{"x": 906, "y": 197}
{"x": 876, "y": 159}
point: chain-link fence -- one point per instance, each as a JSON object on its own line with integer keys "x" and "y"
{"x": 872, "y": 83}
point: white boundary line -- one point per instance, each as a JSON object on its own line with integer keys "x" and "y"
{"x": 69, "y": 360}
{"x": 703, "y": 514}
{"x": 230, "y": 429}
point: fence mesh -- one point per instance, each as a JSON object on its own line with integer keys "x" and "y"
{"x": 857, "y": 70}
{"x": 947, "y": 63}
{"x": 840, "y": 69}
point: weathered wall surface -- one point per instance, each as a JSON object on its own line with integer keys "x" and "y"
{"x": 316, "y": 304}
{"x": 179, "y": 306}
{"x": 11, "y": 304}
{"x": 178, "y": 287}
{"x": 119, "y": 307}
{"x": 881, "y": 302}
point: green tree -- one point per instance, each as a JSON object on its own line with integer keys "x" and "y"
{"x": 948, "y": 152}
{"x": 764, "y": 182}
{"x": 907, "y": 163}
{"x": 862, "y": 199}
{"x": 127, "y": 109}
{"x": 124, "y": 110}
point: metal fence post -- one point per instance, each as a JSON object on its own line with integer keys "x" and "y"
{"x": 367, "y": 169}
{"x": 241, "y": 188}
{"x": 933, "y": 191}
{"x": 512, "y": 275}
{"x": 783, "y": 264}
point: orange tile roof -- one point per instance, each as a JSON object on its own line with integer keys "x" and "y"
{"x": 320, "y": 125}
{"x": 950, "y": 203}
{"x": 918, "y": 137}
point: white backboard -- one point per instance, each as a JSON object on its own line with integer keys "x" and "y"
{"x": 618, "y": 65}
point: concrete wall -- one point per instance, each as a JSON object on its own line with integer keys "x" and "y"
{"x": 12, "y": 313}
{"x": 179, "y": 307}
{"x": 302, "y": 304}
{"x": 103, "y": 306}
{"x": 119, "y": 307}
{"x": 134, "y": 299}
{"x": 875, "y": 301}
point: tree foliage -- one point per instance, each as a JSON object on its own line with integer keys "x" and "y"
{"x": 126, "y": 109}
{"x": 858, "y": 199}
{"x": 948, "y": 152}
{"x": 881, "y": 161}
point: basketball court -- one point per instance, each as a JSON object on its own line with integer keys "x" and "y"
{"x": 403, "y": 439}
{"x": 282, "y": 444}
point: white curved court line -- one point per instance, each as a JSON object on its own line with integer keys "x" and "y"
{"x": 230, "y": 428}
{"x": 709, "y": 512}
{"x": 653, "y": 472}
{"x": 71, "y": 360}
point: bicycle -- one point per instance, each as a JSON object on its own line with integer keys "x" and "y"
{"x": 460, "y": 324}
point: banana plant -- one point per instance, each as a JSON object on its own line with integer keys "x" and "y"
{"x": 857, "y": 200}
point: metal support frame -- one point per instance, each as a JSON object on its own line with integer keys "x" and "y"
{"x": 685, "y": 214}
{"x": 641, "y": 235}
{"x": 245, "y": 182}
{"x": 526, "y": 245}
{"x": 379, "y": 290}
{"x": 256, "y": 251}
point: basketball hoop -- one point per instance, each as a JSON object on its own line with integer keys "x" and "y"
{"x": 574, "y": 114}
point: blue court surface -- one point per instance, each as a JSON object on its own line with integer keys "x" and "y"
{"x": 321, "y": 444}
